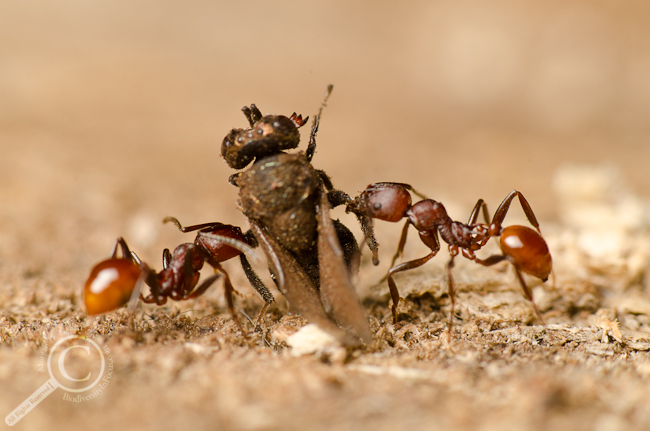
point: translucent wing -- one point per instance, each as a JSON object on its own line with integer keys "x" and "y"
{"x": 337, "y": 292}
{"x": 297, "y": 287}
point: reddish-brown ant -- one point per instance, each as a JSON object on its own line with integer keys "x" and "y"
{"x": 114, "y": 281}
{"x": 520, "y": 245}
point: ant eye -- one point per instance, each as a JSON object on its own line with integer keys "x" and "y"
{"x": 377, "y": 206}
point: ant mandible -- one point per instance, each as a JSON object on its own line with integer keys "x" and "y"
{"x": 115, "y": 281}
{"x": 522, "y": 246}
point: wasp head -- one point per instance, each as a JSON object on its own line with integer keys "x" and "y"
{"x": 266, "y": 136}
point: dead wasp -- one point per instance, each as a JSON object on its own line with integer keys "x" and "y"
{"x": 286, "y": 201}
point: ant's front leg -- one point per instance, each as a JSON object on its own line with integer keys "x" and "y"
{"x": 400, "y": 247}
{"x": 402, "y": 242}
{"x": 229, "y": 290}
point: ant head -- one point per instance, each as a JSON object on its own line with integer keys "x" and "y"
{"x": 267, "y": 135}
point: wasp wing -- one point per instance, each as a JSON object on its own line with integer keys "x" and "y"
{"x": 337, "y": 292}
{"x": 297, "y": 287}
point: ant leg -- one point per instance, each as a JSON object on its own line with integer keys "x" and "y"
{"x": 394, "y": 293}
{"x": 452, "y": 291}
{"x": 311, "y": 148}
{"x": 126, "y": 253}
{"x": 213, "y": 225}
{"x": 228, "y": 293}
{"x": 500, "y": 213}
{"x": 402, "y": 242}
{"x": 553, "y": 279}
{"x": 417, "y": 193}
{"x": 493, "y": 260}
{"x": 133, "y": 302}
{"x": 480, "y": 205}
{"x": 528, "y": 294}
{"x": 182, "y": 290}
{"x": 400, "y": 248}
{"x": 155, "y": 292}
{"x": 145, "y": 272}
{"x": 430, "y": 239}
{"x": 167, "y": 258}
{"x": 203, "y": 286}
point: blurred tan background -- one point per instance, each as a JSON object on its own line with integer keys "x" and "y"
{"x": 112, "y": 116}
{"x": 112, "y": 113}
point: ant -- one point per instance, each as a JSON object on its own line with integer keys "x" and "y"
{"x": 522, "y": 246}
{"x": 117, "y": 281}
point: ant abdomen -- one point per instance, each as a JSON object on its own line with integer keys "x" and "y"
{"x": 526, "y": 250}
{"x": 110, "y": 285}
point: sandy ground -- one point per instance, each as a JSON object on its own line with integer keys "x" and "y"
{"x": 111, "y": 118}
